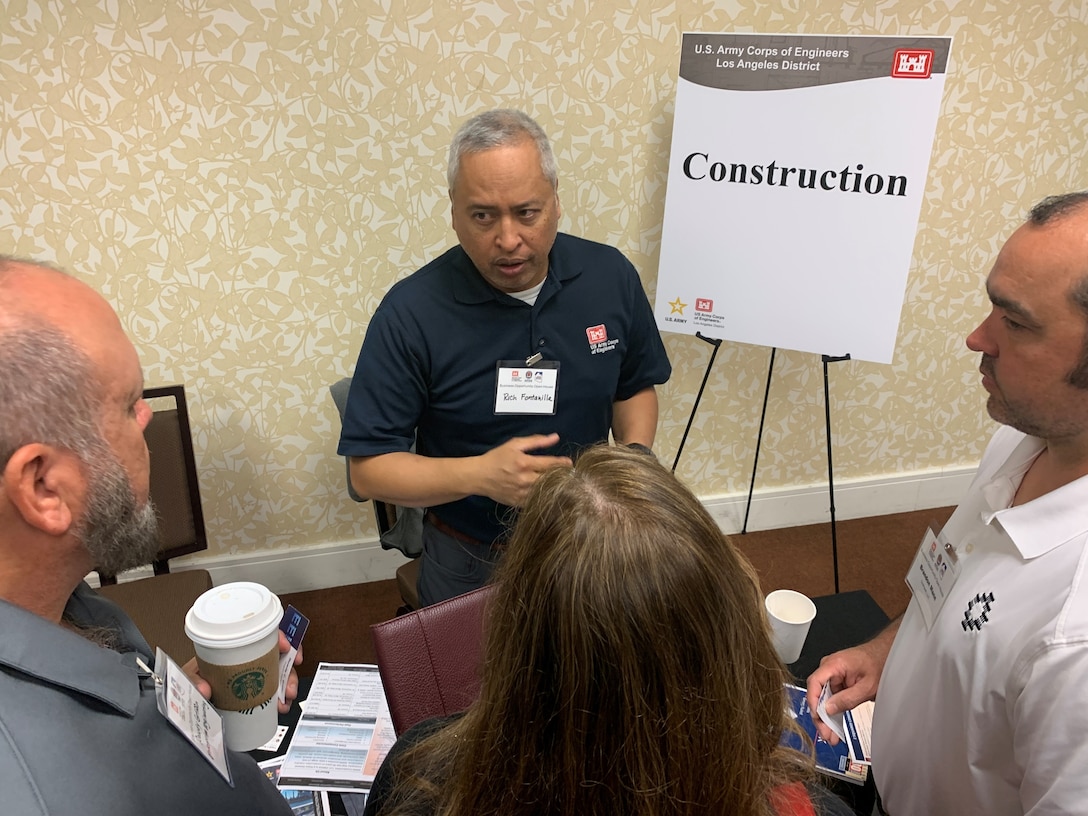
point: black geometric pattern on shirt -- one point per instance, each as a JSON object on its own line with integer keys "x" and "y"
{"x": 977, "y": 612}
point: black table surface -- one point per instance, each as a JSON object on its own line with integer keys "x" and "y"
{"x": 841, "y": 621}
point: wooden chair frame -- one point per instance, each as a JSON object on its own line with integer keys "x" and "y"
{"x": 160, "y": 482}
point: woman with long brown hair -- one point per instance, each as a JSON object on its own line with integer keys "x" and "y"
{"x": 628, "y": 669}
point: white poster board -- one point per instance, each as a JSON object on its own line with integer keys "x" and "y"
{"x": 796, "y": 177}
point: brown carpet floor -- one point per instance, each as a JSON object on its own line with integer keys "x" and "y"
{"x": 874, "y": 554}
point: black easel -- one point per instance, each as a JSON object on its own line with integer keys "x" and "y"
{"x": 830, "y": 466}
{"x": 830, "y": 480}
{"x": 759, "y": 439}
{"x": 717, "y": 344}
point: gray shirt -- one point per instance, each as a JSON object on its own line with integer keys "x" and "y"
{"x": 80, "y": 731}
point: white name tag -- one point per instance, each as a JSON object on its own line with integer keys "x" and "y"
{"x": 182, "y": 705}
{"x": 522, "y": 389}
{"x": 932, "y": 574}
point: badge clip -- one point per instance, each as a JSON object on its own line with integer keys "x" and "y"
{"x": 144, "y": 667}
{"x": 533, "y": 360}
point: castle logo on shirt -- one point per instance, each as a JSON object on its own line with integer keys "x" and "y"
{"x": 598, "y": 339}
{"x": 978, "y": 612}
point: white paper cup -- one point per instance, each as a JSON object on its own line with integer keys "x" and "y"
{"x": 234, "y": 629}
{"x": 790, "y": 614}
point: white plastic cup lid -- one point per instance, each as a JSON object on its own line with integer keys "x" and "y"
{"x": 233, "y": 615}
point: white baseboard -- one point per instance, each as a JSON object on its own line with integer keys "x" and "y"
{"x": 340, "y": 563}
{"x": 857, "y": 498}
{"x": 318, "y": 566}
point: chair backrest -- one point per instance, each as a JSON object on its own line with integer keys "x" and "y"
{"x": 399, "y": 528}
{"x": 158, "y": 604}
{"x": 408, "y": 536}
{"x": 430, "y": 659}
{"x": 174, "y": 486}
{"x": 339, "y": 391}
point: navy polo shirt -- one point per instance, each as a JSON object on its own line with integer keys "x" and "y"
{"x": 427, "y": 369}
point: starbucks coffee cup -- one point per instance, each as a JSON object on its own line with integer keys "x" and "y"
{"x": 234, "y": 629}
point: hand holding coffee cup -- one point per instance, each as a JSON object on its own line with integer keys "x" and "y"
{"x": 290, "y": 689}
{"x": 235, "y": 632}
{"x": 790, "y": 614}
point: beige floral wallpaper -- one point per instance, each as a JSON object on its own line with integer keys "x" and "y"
{"x": 244, "y": 179}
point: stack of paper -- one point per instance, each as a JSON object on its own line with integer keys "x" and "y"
{"x": 344, "y": 732}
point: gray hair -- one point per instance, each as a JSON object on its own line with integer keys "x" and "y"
{"x": 49, "y": 392}
{"x": 498, "y": 128}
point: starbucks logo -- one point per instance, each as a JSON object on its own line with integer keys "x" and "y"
{"x": 248, "y": 685}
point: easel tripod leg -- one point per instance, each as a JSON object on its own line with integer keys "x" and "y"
{"x": 759, "y": 440}
{"x": 830, "y": 469}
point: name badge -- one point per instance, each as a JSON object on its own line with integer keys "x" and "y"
{"x": 526, "y": 389}
{"x": 182, "y": 705}
{"x": 932, "y": 574}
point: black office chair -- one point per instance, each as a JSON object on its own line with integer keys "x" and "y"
{"x": 399, "y": 528}
{"x": 158, "y": 604}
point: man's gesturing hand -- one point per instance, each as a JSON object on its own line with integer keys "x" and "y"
{"x": 511, "y": 469}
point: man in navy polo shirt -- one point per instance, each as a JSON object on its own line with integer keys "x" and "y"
{"x": 498, "y": 360}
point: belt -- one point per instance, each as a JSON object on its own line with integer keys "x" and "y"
{"x": 444, "y": 528}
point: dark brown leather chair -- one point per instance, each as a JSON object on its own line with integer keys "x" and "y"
{"x": 157, "y": 604}
{"x": 430, "y": 659}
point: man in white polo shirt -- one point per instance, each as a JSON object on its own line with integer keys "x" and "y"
{"x": 981, "y": 687}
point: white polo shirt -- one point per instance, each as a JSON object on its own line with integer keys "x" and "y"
{"x": 988, "y": 713}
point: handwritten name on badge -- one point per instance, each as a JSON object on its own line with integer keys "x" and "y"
{"x": 521, "y": 390}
